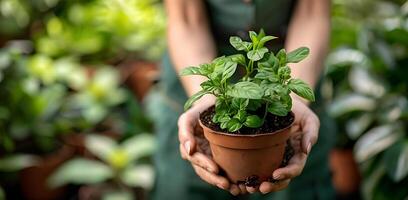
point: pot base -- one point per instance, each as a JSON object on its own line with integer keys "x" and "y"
{"x": 254, "y": 180}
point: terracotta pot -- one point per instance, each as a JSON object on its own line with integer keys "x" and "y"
{"x": 243, "y": 156}
{"x": 346, "y": 175}
{"x": 140, "y": 76}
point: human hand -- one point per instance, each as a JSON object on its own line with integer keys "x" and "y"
{"x": 195, "y": 148}
{"x": 302, "y": 143}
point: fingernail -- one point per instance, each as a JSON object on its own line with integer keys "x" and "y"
{"x": 277, "y": 177}
{"x": 187, "y": 147}
{"x": 220, "y": 186}
{"x": 309, "y": 147}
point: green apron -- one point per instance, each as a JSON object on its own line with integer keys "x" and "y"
{"x": 175, "y": 178}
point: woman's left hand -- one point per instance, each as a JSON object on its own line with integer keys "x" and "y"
{"x": 302, "y": 143}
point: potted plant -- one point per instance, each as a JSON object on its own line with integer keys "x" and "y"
{"x": 117, "y": 172}
{"x": 251, "y": 122}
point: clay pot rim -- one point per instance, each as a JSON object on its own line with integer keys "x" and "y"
{"x": 249, "y": 135}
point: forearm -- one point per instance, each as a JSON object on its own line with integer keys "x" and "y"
{"x": 189, "y": 39}
{"x": 310, "y": 27}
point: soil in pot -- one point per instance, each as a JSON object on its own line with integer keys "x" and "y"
{"x": 272, "y": 123}
{"x": 250, "y": 155}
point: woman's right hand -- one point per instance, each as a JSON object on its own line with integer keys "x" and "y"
{"x": 195, "y": 148}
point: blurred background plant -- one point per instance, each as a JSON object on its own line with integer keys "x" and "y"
{"x": 118, "y": 172}
{"x": 96, "y": 30}
{"x": 365, "y": 88}
{"x": 67, "y": 69}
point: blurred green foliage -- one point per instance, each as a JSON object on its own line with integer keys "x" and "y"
{"x": 44, "y": 97}
{"x": 366, "y": 90}
{"x": 94, "y": 30}
{"x": 57, "y": 78}
{"x": 119, "y": 163}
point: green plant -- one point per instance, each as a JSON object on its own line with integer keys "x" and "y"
{"x": 366, "y": 91}
{"x": 263, "y": 86}
{"x": 28, "y": 85}
{"x": 119, "y": 165}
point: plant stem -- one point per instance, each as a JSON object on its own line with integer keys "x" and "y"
{"x": 266, "y": 112}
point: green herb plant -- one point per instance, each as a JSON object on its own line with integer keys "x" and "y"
{"x": 251, "y": 83}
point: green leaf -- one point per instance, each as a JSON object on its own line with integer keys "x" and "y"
{"x": 238, "y": 58}
{"x": 191, "y": 71}
{"x": 100, "y": 146}
{"x": 297, "y": 55}
{"x": 270, "y": 64}
{"x": 194, "y": 98}
{"x": 278, "y": 108}
{"x": 241, "y": 115}
{"x": 396, "y": 161}
{"x": 223, "y": 124}
{"x": 139, "y": 146}
{"x": 208, "y": 86}
{"x": 351, "y": 103}
{"x": 17, "y": 162}
{"x": 234, "y": 125}
{"x": 206, "y": 69}
{"x": 240, "y": 45}
{"x": 281, "y": 55}
{"x": 239, "y": 103}
{"x": 284, "y": 73}
{"x": 229, "y": 70}
{"x": 253, "y": 121}
{"x": 302, "y": 89}
{"x": 246, "y": 90}
{"x": 138, "y": 176}
{"x": 265, "y": 39}
{"x": 117, "y": 195}
{"x": 376, "y": 140}
{"x": 257, "y": 54}
{"x": 80, "y": 171}
{"x": 254, "y": 37}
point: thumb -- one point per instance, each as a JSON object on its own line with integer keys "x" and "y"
{"x": 186, "y": 124}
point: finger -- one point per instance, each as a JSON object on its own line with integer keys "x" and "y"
{"x": 310, "y": 129}
{"x": 252, "y": 189}
{"x": 293, "y": 169}
{"x": 211, "y": 178}
{"x": 242, "y": 188}
{"x": 200, "y": 159}
{"x": 186, "y": 125}
{"x": 267, "y": 187}
{"x": 234, "y": 190}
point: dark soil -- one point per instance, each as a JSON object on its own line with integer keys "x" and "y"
{"x": 253, "y": 181}
{"x": 272, "y": 123}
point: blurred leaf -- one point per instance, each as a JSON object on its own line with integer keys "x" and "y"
{"x": 118, "y": 195}
{"x": 396, "y": 161}
{"x": 384, "y": 51}
{"x": 139, "y": 146}
{"x": 17, "y": 162}
{"x": 119, "y": 158}
{"x": 392, "y": 109}
{"x": 356, "y": 126}
{"x": 346, "y": 57}
{"x": 371, "y": 181}
{"x": 365, "y": 83}
{"x": 376, "y": 140}
{"x": 138, "y": 176}
{"x": 351, "y": 102}
{"x": 100, "y": 146}
{"x": 80, "y": 171}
